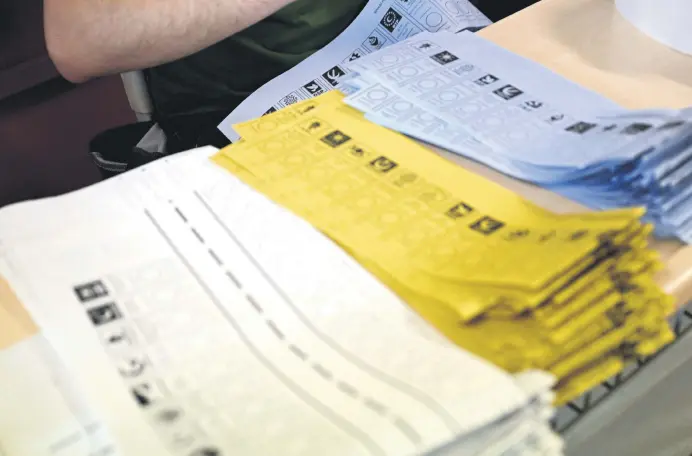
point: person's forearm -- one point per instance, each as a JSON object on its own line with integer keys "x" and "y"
{"x": 89, "y": 38}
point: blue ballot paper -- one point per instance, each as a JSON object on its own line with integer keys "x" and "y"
{"x": 462, "y": 93}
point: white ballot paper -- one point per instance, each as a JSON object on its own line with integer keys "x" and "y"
{"x": 198, "y": 318}
{"x": 42, "y": 412}
{"x": 380, "y": 24}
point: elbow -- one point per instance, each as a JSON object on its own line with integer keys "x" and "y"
{"x": 70, "y": 58}
{"x": 82, "y": 44}
{"x": 67, "y": 46}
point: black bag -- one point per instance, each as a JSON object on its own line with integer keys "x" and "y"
{"x": 124, "y": 148}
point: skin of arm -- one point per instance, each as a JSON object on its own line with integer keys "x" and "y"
{"x": 91, "y": 38}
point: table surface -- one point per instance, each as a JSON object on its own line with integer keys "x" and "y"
{"x": 584, "y": 40}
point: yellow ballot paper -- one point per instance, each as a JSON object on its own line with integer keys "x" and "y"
{"x": 515, "y": 283}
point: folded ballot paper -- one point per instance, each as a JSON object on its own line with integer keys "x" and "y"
{"x": 572, "y": 295}
{"x": 186, "y": 314}
{"x": 469, "y": 96}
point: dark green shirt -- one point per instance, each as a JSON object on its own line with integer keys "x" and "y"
{"x": 222, "y": 76}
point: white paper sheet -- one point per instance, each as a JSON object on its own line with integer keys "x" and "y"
{"x": 41, "y": 411}
{"x": 380, "y": 24}
{"x": 203, "y": 320}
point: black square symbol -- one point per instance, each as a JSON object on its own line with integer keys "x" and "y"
{"x": 444, "y": 57}
{"x": 269, "y": 111}
{"x": 383, "y": 165}
{"x": 313, "y": 88}
{"x": 336, "y": 138}
{"x": 637, "y": 128}
{"x": 390, "y": 20}
{"x": 487, "y": 225}
{"x": 581, "y": 127}
{"x": 104, "y": 314}
{"x": 461, "y": 210}
{"x": 486, "y": 80}
{"x": 91, "y": 291}
{"x": 334, "y": 75}
{"x": 507, "y": 92}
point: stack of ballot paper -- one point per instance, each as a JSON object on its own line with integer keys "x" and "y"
{"x": 518, "y": 285}
{"x": 655, "y": 172}
{"x": 469, "y": 96}
{"x": 183, "y": 313}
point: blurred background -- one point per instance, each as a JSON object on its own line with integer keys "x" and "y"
{"x": 46, "y": 123}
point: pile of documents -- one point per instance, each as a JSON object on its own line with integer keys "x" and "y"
{"x": 191, "y": 316}
{"x": 520, "y": 286}
{"x": 471, "y": 97}
{"x": 654, "y": 172}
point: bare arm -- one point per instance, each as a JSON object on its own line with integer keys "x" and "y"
{"x": 89, "y": 38}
